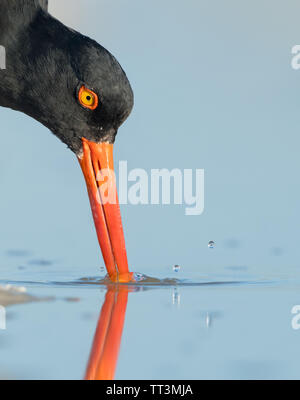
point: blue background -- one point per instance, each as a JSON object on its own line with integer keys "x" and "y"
{"x": 214, "y": 89}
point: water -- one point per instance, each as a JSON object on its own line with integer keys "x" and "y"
{"x": 176, "y": 297}
{"x": 228, "y": 324}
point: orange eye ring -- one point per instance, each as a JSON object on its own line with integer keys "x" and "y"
{"x": 87, "y": 98}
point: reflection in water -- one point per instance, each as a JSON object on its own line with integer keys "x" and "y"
{"x": 106, "y": 344}
{"x": 176, "y": 297}
{"x": 107, "y": 339}
{"x": 208, "y": 318}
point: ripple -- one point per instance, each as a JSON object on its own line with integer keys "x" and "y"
{"x": 40, "y": 262}
{"x": 143, "y": 282}
{"x": 18, "y": 253}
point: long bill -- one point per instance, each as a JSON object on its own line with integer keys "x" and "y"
{"x": 97, "y": 166}
{"x": 105, "y": 349}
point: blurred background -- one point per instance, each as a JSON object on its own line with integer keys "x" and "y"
{"x": 214, "y": 89}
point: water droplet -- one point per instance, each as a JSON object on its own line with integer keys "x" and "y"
{"x": 211, "y": 244}
{"x": 176, "y": 297}
{"x": 72, "y": 299}
{"x": 176, "y": 268}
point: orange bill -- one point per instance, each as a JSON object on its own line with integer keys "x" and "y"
{"x": 105, "y": 349}
{"x": 98, "y": 169}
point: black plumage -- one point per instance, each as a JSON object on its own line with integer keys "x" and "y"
{"x": 47, "y": 63}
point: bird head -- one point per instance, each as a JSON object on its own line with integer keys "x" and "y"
{"x": 76, "y": 88}
{"x": 73, "y": 85}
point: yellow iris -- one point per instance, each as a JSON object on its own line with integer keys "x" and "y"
{"x": 88, "y": 98}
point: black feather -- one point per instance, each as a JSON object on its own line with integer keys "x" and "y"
{"x": 44, "y": 4}
{"x": 46, "y": 63}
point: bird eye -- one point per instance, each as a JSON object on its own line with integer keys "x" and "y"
{"x": 87, "y": 98}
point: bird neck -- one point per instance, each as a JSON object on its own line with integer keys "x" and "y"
{"x": 17, "y": 14}
{"x": 18, "y": 20}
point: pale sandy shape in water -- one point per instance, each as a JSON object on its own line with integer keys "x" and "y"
{"x": 10, "y": 295}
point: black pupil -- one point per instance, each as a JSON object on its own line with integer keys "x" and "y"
{"x": 88, "y": 98}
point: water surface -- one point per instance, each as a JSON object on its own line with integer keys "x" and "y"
{"x": 230, "y": 324}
